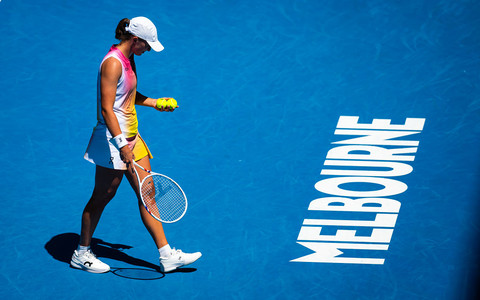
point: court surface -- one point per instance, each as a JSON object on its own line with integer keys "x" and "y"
{"x": 262, "y": 86}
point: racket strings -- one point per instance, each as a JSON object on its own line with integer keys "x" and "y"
{"x": 163, "y": 198}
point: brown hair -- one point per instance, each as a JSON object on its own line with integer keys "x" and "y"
{"x": 121, "y": 33}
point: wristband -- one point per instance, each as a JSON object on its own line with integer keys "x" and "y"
{"x": 119, "y": 141}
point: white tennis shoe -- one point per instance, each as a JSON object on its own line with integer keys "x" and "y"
{"x": 88, "y": 262}
{"x": 177, "y": 259}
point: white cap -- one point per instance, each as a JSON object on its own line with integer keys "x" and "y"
{"x": 144, "y": 28}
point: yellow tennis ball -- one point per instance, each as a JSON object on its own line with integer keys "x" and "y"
{"x": 161, "y": 103}
{"x": 172, "y": 103}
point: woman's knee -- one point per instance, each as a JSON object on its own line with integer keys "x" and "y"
{"x": 107, "y": 182}
{"x": 103, "y": 196}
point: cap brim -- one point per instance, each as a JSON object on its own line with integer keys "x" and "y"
{"x": 156, "y": 46}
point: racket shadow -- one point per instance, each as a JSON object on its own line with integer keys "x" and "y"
{"x": 146, "y": 274}
{"x": 61, "y": 248}
{"x": 138, "y": 273}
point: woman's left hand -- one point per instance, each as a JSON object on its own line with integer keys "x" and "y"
{"x": 166, "y": 104}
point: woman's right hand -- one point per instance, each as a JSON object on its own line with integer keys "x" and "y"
{"x": 127, "y": 157}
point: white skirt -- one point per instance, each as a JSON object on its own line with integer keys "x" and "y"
{"x": 102, "y": 152}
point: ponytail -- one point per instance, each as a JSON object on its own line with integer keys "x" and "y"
{"x": 121, "y": 33}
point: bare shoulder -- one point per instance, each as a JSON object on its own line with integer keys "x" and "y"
{"x": 111, "y": 68}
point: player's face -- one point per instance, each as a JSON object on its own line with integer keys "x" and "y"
{"x": 140, "y": 46}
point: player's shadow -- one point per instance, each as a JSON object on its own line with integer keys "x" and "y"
{"x": 61, "y": 248}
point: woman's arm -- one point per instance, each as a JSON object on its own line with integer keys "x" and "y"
{"x": 146, "y": 101}
{"x": 111, "y": 72}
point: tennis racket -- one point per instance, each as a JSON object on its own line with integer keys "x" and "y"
{"x": 162, "y": 197}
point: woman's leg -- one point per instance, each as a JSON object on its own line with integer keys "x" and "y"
{"x": 106, "y": 185}
{"x": 154, "y": 227}
{"x": 169, "y": 260}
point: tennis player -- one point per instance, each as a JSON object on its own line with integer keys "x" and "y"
{"x": 115, "y": 143}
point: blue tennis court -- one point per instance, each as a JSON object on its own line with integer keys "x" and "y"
{"x": 328, "y": 149}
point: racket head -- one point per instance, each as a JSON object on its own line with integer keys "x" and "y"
{"x": 163, "y": 198}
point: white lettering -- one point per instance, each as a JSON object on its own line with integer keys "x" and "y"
{"x": 362, "y": 173}
{"x": 379, "y": 235}
{"x": 376, "y": 137}
{"x": 352, "y": 123}
{"x": 328, "y": 253}
{"x": 396, "y": 168}
{"x": 381, "y": 220}
{"x": 355, "y": 205}
{"x": 332, "y": 186}
{"x": 374, "y": 153}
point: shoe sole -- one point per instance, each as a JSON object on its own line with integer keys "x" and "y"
{"x": 81, "y": 267}
{"x": 173, "y": 268}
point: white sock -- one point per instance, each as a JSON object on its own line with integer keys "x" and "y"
{"x": 165, "y": 251}
{"x": 82, "y": 249}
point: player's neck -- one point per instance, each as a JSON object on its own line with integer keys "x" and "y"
{"x": 126, "y": 48}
